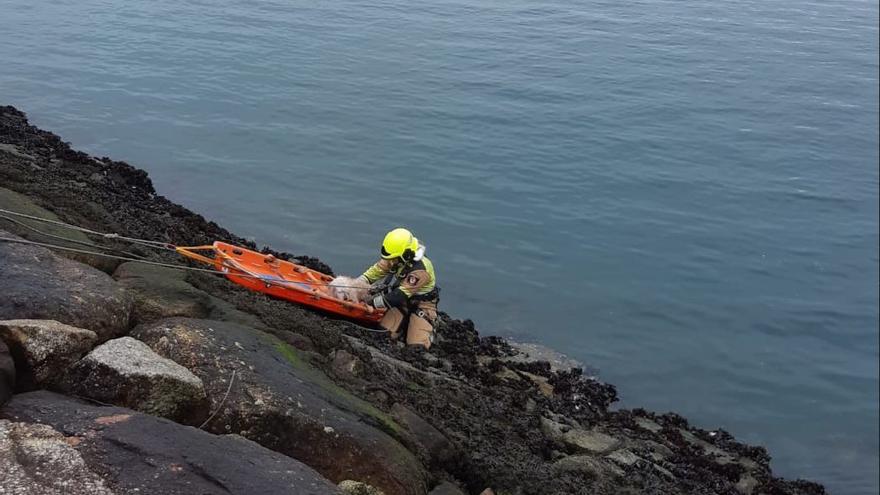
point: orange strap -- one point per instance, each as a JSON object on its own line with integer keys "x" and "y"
{"x": 190, "y": 252}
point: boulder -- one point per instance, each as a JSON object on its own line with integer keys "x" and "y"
{"x": 159, "y": 292}
{"x": 553, "y": 430}
{"x": 657, "y": 451}
{"x": 126, "y": 372}
{"x": 397, "y": 370}
{"x": 280, "y": 401}
{"x": 345, "y": 365}
{"x": 37, "y": 460}
{"x": 7, "y": 374}
{"x": 438, "y": 447}
{"x": 623, "y": 458}
{"x": 44, "y": 349}
{"x": 541, "y": 382}
{"x": 591, "y": 441}
{"x": 37, "y": 284}
{"x": 299, "y": 342}
{"x": 139, "y": 453}
{"x": 648, "y": 424}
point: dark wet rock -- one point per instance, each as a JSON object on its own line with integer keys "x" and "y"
{"x": 439, "y": 449}
{"x": 280, "y": 318}
{"x": 44, "y": 349}
{"x": 39, "y": 285}
{"x": 299, "y": 342}
{"x": 126, "y": 372}
{"x": 398, "y": 370}
{"x": 135, "y": 452}
{"x": 446, "y": 488}
{"x": 283, "y": 403}
{"x": 7, "y": 374}
{"x": 721, "y": 456}
{"x": 38, "y": 231}
{"x": 580, "y": 397}
{"x": 160, "y": 292}
{"x": 36, "y": 459}
{"x": 589, "y": 441}
{"x": 344, "y": 364}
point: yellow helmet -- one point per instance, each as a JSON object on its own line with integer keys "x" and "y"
{"x": 399, "y": 243}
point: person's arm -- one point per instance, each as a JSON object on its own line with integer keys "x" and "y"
{"x": 412, "y": 284}
{"x": 378, "y": 270}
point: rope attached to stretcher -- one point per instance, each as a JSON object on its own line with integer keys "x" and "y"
{"x": 65, "y": 239}
{"x": 163, "y": 246}
{"x": 175, "y": 266}
{"x": 107, "y": 235}
{"x": 170, "y": 265}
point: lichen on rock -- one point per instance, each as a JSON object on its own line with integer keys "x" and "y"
{"x": 126, "y": 372}
{"x": 45, "y": 349}
{"x": 35, "y": 459}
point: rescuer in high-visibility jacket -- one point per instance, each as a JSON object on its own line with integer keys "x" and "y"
{"x": 407, "y": 287}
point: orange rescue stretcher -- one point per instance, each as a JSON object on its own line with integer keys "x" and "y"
{"x": 282, "y": 279}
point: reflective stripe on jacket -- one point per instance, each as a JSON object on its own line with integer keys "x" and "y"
{"x": 415, "y": 278}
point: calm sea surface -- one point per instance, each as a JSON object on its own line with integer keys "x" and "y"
{"x": 683, "y": 194}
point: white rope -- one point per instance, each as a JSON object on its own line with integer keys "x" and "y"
{"x": 220, "y": 406}
{"x": 123, "y": 258}
{"x": 243, "y": 274}
{"x": 146, "y": 242}
{"x": 132, "y": 257}
{"x": 66, "y": 239}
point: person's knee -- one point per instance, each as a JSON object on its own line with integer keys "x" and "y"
{"x": 420, "y": 331}
{"x": 391, "y": 321}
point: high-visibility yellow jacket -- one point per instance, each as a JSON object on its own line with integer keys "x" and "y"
{"x": 413, "y": 279}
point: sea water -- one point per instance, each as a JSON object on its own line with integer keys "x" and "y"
{"x": 683, "y": 194}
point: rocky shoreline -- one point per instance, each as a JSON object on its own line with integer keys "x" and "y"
{"x": 121, "y": 377}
